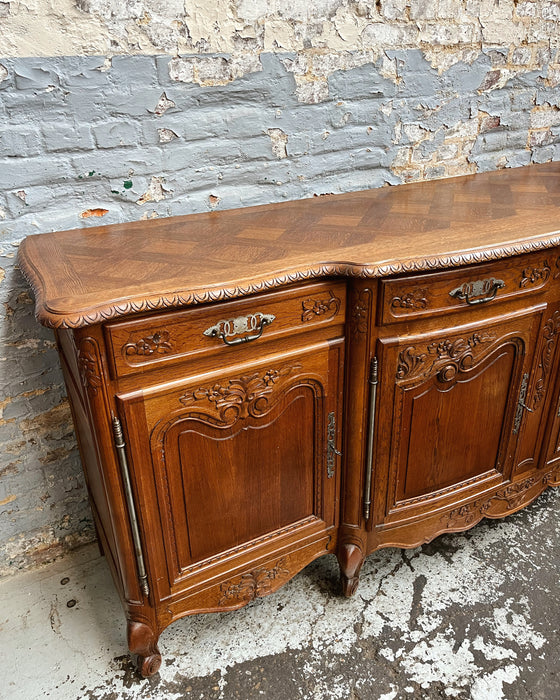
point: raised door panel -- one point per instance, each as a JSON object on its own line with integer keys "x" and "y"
{"x": 237, "y": 460}
{"x": 233, "y": 482}
{"x": 451, "y": 398}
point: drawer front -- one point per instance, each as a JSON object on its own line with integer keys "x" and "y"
{"x": 172, "y": 337}
{"x": 435, "y": 293}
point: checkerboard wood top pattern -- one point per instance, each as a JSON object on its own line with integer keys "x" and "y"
{"x": 84, "y": 276}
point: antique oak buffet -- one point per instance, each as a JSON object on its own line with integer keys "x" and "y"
{"x": 254, "y": 388}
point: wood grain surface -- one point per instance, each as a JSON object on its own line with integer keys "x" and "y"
{"x": 84, "y": 276}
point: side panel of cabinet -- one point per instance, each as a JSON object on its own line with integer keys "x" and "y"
{"x": 450, "y": 418}
{"x": 239, "y": 461}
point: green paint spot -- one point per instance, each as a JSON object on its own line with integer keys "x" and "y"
{"x": 115, "y": 192}
{"x": 91, "y": 172}
{"x": 127, "y": 184}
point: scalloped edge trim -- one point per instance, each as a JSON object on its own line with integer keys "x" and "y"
{"x": 144, "y": 304}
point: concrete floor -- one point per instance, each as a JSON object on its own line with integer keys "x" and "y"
{"x": 470, "y": 616}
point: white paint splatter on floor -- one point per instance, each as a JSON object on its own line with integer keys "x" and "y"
{"x": 470, "y": 616}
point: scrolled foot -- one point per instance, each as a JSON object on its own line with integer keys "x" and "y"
{"x": 148, "y": 665}
{"x": 350, "y": 559}
{"x": 349, "y": 585}
{"x": 142, "y": 640}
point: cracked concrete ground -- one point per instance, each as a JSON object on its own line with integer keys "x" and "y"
{"x": 469, "y": 616}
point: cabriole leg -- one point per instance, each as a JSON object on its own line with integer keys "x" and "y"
{"x": 142, "y": 640}
{"x": 350, "y": 559}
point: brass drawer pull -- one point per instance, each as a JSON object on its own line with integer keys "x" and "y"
{"x": 236, "y": 326}
{"x": 478, "y": 292}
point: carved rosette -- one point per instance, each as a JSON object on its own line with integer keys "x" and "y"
{"x": 359, "y": 314}
{"x": 466, "y": 515}
{"x": 241, "y": 397}
{"x": 551, "y": 328}
{"x": 532, "y": 275}
{"x": 254, "y": 584}
{"x": 157, "y": 343}
{"x": 415, "y": 299}
{"x": 89, "y": 367}
{"x": 311, "y": 308}
{"x": 449, "y": 357}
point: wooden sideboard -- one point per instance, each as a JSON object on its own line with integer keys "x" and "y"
{"x": 255, "y": 388}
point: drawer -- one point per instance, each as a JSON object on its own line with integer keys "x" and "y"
{"x": 173, "y": 336}
{"x": 436, "y": 293}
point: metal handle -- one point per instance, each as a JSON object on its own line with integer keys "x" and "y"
{"x": 521, "y": 404}
{"x": 470, "y": 291}
{"x": 243, "y": 324}
{"x": 371, "y": 435}
{"x": 123, "y": 462}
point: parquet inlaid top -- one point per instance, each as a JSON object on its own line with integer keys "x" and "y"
{"x": 83, "y": 276}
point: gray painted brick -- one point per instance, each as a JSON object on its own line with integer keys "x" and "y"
{"x": 523, "y": 100}
{"x": 19, "y": 142}
{"x": 114, "y": 134}
{"x": 32, "y": 171}
{"x": 542, "y": 154}
{"x": 31, "y": 74}
{"x": 83, "y": 72}
{"x": 67, "y": 137}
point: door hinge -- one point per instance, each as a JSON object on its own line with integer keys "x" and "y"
{"x": 123, "y": 462}
{"x": 373, "y": 380}
{"x": 331, "y": 444}
{"x": 521, "y": 404}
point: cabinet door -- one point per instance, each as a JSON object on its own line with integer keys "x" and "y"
{"x": 239, "y": 461}
{"x": 451, "y": 414}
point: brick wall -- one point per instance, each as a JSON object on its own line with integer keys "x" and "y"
{"x": 130, "y": 111}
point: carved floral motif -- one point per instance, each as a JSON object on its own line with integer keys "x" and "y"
{"x": 451, "y": 356}
{"x": 88, "y": 365}
{"x": 359, "y": 314}
{"x": 409, "y": 362}
{"x": 240, "y": 397}
{"x": 318, "y": 307}
{"x": 513, "y": 495}
{"x": 255, "y": 584}
{"x": 468, "y": 514}
{"x": 531, "y": 275}
{"x": 416, "y": 299}
{"x": 551, "y": 328}
{"x": 158, "y": 343}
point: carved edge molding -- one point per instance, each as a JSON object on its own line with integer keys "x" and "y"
{"x": 69, "y": 319}
{"x": 513, "y": 494}
{"x": 242, "y": 548}
{"x": 254, "y": 584}
{"x": 311, "y": 308}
